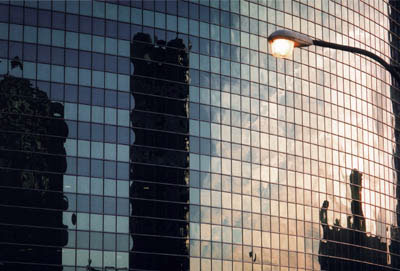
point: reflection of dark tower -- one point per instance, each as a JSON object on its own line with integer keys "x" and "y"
{"x": 32, "y": 163}
{"x": 395, "y": 97}
{"x": 159, "y": 156}
{"x": 351, "y": 248}
{"x": 357, "y": 218}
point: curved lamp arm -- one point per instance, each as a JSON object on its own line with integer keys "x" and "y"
{"x": 301, "y": 40}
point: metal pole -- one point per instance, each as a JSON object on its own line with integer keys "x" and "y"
{"x": 391, "y": 68}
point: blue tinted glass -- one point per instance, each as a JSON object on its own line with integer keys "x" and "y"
{"x": 59, "y": 20}
{"x": 235, "y": 85}
{"x": 30, "y": 16}
{"x": 148, "y": 18}
{"x": 84, "y": 130}
{"x": 44, "y": 18}
{"x": 110, "y": 133}
{"x": 225, "y": 68}
{"x": 84, "y": 95}
{"x": 123, "y": 100}
{"x": 85, "y": 25}
{"x": 204, "y": 14}
{"x": 17, "y": 14}
{"x": 124, "y": 31}
{"x": 71, "y": 93}
{"x": 172, "y": 7}
{"x": 205, "y": 46}
{"x": 214, "y": 15}
{"x": 225, "y": 51}
{"x": 235, "y": 21}
{"x": 99, "y": 28}
{"x": 98, "y": 97}
{"x": 15, "y": 49}
{"x": 183, "y": 9}
{"x": 109, "y": 169}
{"x": 96, "y": 168}
{"x": 98, "y": 61}
{"x": 193, "y": 11}
{"x": 159, "y": 6}
{"x": 111, "y": 29}
{"x": 97, "y": 132}
{"x": 82, "y": 201}
{"x": 111, "y": 63}
{"x": 245, "y": 56}
{"x": 57, "y": 92}
{"x": 205, "y": 112}
{"x": 72, "y": 128}
{"x": 205, "y": 79}
{"x": 109, "y": 241}
{"x": 123, "y": 135}
{"x": 204, "y": 146}
{"x": 194, "y": 111}
{"x": 122, "y": 206}
{"x": 244, "y": 23}
{"x": 122, "y": 240}
{"x": 84, "y": 167}
{"x": 57, "y": 55}
{"x": 235, "y": 53}
{"x": 16, "y": 32}
{"x": 71, "y": 58}
{"x": 96, "y": 204}
{"x": 225, "y": 19}
{"x": 111, "y": 98}
{"x": 4, "y": 13}
{"x": 215, "y": 48}
{"x": 215, "y": 81}
{"x": 72, "y": 22}
{"x": 194, "y": 144}
{"x": 123, "y": 171}
{"x": 194, "y": 77}
{"x": 29, "y": 51}
{"x": 85, "y": 60}
{"x": 172, "y": 23}
{"x": 124, "y": 65}
{"x": 44, "y": 54}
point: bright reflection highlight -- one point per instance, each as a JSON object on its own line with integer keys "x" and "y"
{"x": 282, "y": 48}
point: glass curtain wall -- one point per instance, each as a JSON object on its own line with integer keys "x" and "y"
{"x": 162, "y": 135}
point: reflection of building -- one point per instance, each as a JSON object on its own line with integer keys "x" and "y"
{"x": 159, "y": 156}
{"x": 395, "y": 97}
{"x": 32, "y": 163}
{"x": 270, "y": 140}
{"x": 351, "y": 248}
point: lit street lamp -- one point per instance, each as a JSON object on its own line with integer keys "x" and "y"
{"x": 284, "y": 41}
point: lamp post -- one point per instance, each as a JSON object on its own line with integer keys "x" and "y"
{"x": 284, "y": 41}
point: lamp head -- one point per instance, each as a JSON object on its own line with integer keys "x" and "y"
{"x": 284, "y": 41}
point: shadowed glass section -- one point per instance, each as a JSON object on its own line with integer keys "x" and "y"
{"x": 32, "y": 163}
{"x": 351, "y": 248}
{"x": 159, "y": 157}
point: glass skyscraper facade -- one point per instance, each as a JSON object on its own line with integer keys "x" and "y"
{"x": 162, "y": 135}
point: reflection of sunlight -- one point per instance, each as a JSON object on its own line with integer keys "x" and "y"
{"x": 370, "y": 227}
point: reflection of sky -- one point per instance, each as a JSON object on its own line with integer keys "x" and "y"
{"x": 320, "y": 119}
{"x": 92, "y": 150}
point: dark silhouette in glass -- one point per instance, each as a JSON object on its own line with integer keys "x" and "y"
{"x": 394, "y": 33}
{"x": 159, "y": 156}
{"x": 351, "y": 248}
{"x": 32, "y": 164}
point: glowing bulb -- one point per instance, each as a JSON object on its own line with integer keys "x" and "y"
{"x": 282, "y": 48}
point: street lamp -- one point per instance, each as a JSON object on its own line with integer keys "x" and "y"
{"x": 284, "y": 41}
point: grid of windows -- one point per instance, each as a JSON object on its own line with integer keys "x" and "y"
{"x": 189, "y": 144}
